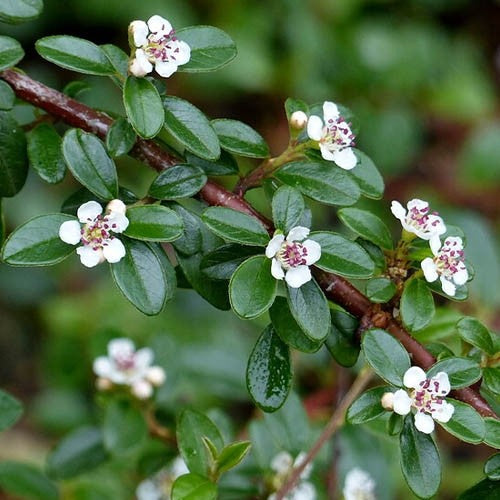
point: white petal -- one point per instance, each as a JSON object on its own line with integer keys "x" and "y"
{"x": 166, "y": 69}
{"x": 114, "y": 251}
{"x": 103, "y": 367}
{"x": 326, "y": 153}
{"x": 298, "y": 233}
{"x": 140, "y": 65}
{"x": 461, "y": 277}
{"x": 430, "y": 270}
{"x": 118, "y": 222}
{"x": 142, "y": 389}
{"x": 424, "y": 423}
{"x": 143, "y": 358}
{"x": 418, "y": 204}
{"x": 435, "y": 244}
{"x": 345, "y": 158}
{"x": 178, "y": 467}
{"x": 89, "y": 257}
{"x": 455, "y": 242}
{"x": 297, "y": 276}
{"x": 156, "y": 375}
{"x": 157, "y": 23}
{"x": 148, "y": 490}
{"x": 70, "y": 232}
{"x": 315, "y": 128}
{"x": 402, "y": 402}
{"x": 303, "y": 491}
{"x": 413, "y": 376}
{"x": 277, "y": 270}
{"x": 140, "y": 31}
{"x": 448, "y": 287}
{"x": 443, "y": 412}
{"x": 444, "y": 383}
{"x": 116, "y": 206}
{"x": 299, "y": 461}
{"x": 121, "y": 347}
{"x": 89, "y": 211}
{"x": 274, "y": 245}
{"x": 398, "y": 210}
{"x": 282, "y": 462}
{"x": 184, "y": 54}
{"x": 313, "y": 251}
{"x": 330, "y": 111}
{"x": 436, "y": 224}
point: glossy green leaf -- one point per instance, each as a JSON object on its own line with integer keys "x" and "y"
{"x": 394, "y": 424}
{"x": 191, "y": 241}
{"x": 76, "y": 88}
{"x": 321, "y": 181}
{"x": 420, "y": 460}
{"x": 252, "y": 288}
{"x": 417, "y": 305}
{"x": 168, "y": 269}
{"x": 269, "y": 372}
{"x": 492, "y": 467}
{"x": 7, "y": 96}
{"x": 466, "y": 423}
{"x": 476, "y": 334}
{"x": 374, "y": 251}
{"x": 10, "y": 410}
{"x": 380, "y": 290}
{"x": 240, "y": 139}
{"x": 118, "y": 59}
{"x": 191, "y": 428}
{"x": 366, "y": 174}
{"x": 222, "y": 262}
{"x": 309, "y": 307}
{"x": 211, "y": 48}
{"x": 26, "y": 481}
{"x": 491, "y": 378}
{"x": 292, "y": 105}
{"x": 79, "y": 452}
{"x": 153, "y": 223}
{"x": 13, "y": 157}
{"x": 193, "y": 487}
{"x": 288, "y": 207}
{"x": 342, "y": 256}
{"x": 37, "y": 242}
{"x": 11, "y": 52}
{"x": 235, "y": 226}
{"x": 143, "y": 106}
{"x": 367, "y": 225}
{"x": 120, "y": 138}
{"x": 342, "y": 341}
{"x": 492, "y": 432}
{"x": 486, "y": 489}
{"x": 45, "y": 153}
{"x": 462, "y": 372}
{"x": 179, "y": 181}
{"x": 386, "y": 356}
{"x": 367, "y": 407}
{"x": 224, "y": 165}
{"x": 191, "y": 128}
{"x": 140, "y": 277}
{"x": 89, "y": 163}
{"x": 20, "y": 11}
{"x": 232, "y": 455}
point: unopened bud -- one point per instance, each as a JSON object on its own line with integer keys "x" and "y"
{"x": 298, "y": 120}
{"x": 387, "y": 401}
{"x": 156, "y": 375}
{"x": 142, "y": 389}
{"x": 103, "y": 384}
{"x": 116, "y": 206}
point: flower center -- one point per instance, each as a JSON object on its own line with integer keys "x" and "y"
{"x": 427, "y": 396}
{"x": 338, "y": 134}
{"x": 420, "y": 219}
{"x": 162, "y": 47}
{"x": 292, "y": 254}
{"x": 97, "y": 232}
{"x": 450, "y": 259}
{"x": 125, "y": 362}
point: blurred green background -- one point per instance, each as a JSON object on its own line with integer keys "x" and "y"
{"x": 422, "y": 78}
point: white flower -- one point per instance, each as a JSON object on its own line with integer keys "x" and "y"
{"x": 448, "y": 265}
{"x": 159, "y": 486}
{"x": 418, "y": 220}
{"x": 334, "y": 135}
{"x": 126, "y": 366}
{"x": 155, "y": 45}
{"x": 291, "y": 257}
{"x": 427, "y": 397}
{"x": 98, "y": 242}
{"x": 359, "y": 485}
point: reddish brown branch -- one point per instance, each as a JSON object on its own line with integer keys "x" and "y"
{"x": 336, "y": 288}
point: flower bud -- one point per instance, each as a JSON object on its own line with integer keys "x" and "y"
{"x": 116, "y": 206}
{"x": 298, "y": 120}
{"x": 156, "y": 375}
{"x": 387, "y": 401}
{"x": 103, "y": 384}
{"x": 142, "y": 389}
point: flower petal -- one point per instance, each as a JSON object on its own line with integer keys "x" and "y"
{"x": 461, "y": 277}
{"x": 184, "y": 53}
{"x": 178, "y": 467}
{"x": 166, "y": 68}
{"x": 298, "y": 233}
{"x": 420, "y": 205}
{"x": 114, "y": 251}
{"x": 444, "y": 383}
{"x": 298, "y": 461}
{"x": 435, "y": 244}
{"x": 330, "y": 111}
{"x": 282, "y": 462}
{"x": 297, "y": 276}
{"x": 274, "y": 245}
{"x": 89, "y": 257}
{"x": 313, "y": 251}
{"x": 103, "y": 367}
{"x": 159, "y": 24}
{"x": 118, "y": 222}
{"x": 402, "y": 402}
{"x": 398, "y": 210}
{"x": 140, "y": 65}
{"x": 424, "y": 423}
{"x": 436, "y": 224}
{"x": 89, "y": 211}
{"x": 120, "y": 347}
{"x": 430, "y": 270}
{"x": 142, "y": 389}
{"x": 140, "y": 31}
{"x": 443, "y": 412}
{"x": 315, "y": 128}
{"x": 277, "y": 269}
{"x": 70, "y": 232}
{"x": 345, "y": 158}
{"x": 448, "y": 287}
{"x": 326, "y": 152}
{"x": 143, "y": 358}
{"x": 303, "y": 491}
{"x": 413, "y": 376}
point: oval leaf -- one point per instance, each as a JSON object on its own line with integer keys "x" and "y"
{"x": 153, "y": 223}
{"x": 222, "y": 262}
{"x": 10, "y": 410}
{"x": 7, "y": 96}
{"x": 492, "y": 434}
{"x": 466, "y": 423}
{"x": 193, "y": 487}
{"x": 367, "y": 407}
{"x": 240, "y": 139}
{"x": 462, "y": 372}
{"x": 120, "y": 138}
{"x": 380, "y": 290}
{"x": 367, "y": 225}
{"x": 367, "y": 176}
{"x": 26, "y": 481}
{"x": 476, "y": 334}
{"x": 224, "y": 165}
{"x": 11, "y": 52}
{"x": 232, "y": 455}
{"x": 288, "y": 207}
{"x": 342, "y": 342}
{"x": 179, "y": 181}
{"x": 492, "y": 467}
{"x": 486, "y": 489}
{"x": 20, "y": 11}
{"x": 417, "y": 305}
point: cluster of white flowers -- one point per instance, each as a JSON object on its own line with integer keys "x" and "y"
{"x": 95, "y": 232}
{"x": 358, "y": 485}
{"x": 283, "y": 464}
{"x": 292, "y": 256}
{"x": 448, "y": 263}
{"x": 159, "y": 486}
{"x": 427, "y": 397}
{"x": 154, "y": 44}
{"x": 124, "y": 365}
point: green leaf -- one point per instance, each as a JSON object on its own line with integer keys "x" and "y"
{"x": 235, "y": 226}
{"x": 118, "y": 59}
{"x": 143, "y": 106}
{"x": 342, "y": 342}
{"x": 491, "y": 378}
{"x": 211, "y": 48}
{"x": 140, "y": 277}
{"x": 193, "y": 487}
{"x": 287, "y": 328}
{"x": 153, "y": 223}
{"x": 75, "y": 54}
{"x": 367, "y": 225}
{"x": 240, "y": 139}
{"x": 476, "y": 334}
{"x": 45, "y": 153}
{"x": 394, "y": 424}
{"x": 342, "y": 256}
{"x": 484, "y": 490}
{"x": 223, "y": 261}
{"x": 191, "y": 241}
{"x": 420, "y": 460}
{"x": 76, "y": 88}
{"x": 124, "y": 428}
{"x": 309, "y": 307}
{"x": 367, "y": 407}
{"x": 367, "y": 176}
{"x": 71, "y": 205}
{"x": 37, "y": 242}
{"x": 492, "y": 467}
{"x": 224, "y": 165}
{"x": 168, "y": 269}
{"x": 79, "y": 452}
{"x": 20, "y": 11}
{"x": 89, "y": 163}
{"x": 232, "y": 455}
{"x": 11, "y": 52}
{"x": 374, "y": 251}
{"x": 386, "y": 356}
{"x": 320, "y": 181}
{"x": 492, "y": 434}
{"x": 380, "y": 290}
{"x": 179, "y": 181}
{"x": 120, "y": 138}
{"x": 252, "y": 288}
{"x": 417, "y": 305}
{"x": 7, "y": 96}
{"x": 191, "y": 128}
{"x": 26, "y": 481}
{"x": 13, "y": 157}
{"x": 269, "y": 372}
{"x": 466, "y": 423}
{"x": 462, "y": 372}
{"x": 292, "y": 105}
{"x": 191, "y": 428}
{"x": 10, "y": 410}
{"x": 288, "y": 207}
